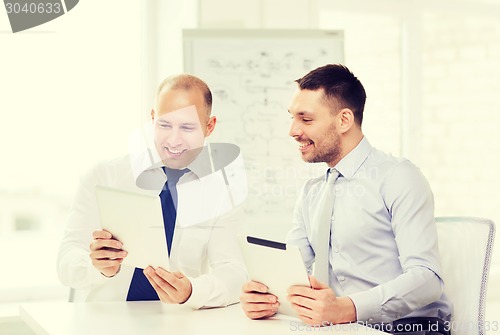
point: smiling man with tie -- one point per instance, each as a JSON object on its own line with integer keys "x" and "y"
{"x": 206, "y": 267}
{"x": 365, "y": 229}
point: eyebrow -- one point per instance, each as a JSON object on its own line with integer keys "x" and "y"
{"x": 182, "y": 124}
{"x": 303, "y": 113}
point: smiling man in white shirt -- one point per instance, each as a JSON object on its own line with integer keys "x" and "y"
{"x": 381, "y": 253}
{"x": 206, "y": 267}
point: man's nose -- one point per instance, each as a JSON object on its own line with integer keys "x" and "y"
{"x": 295, "y": 129}
{"x": 174, "y": 137}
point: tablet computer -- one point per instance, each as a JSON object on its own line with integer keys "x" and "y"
{"x": 276, "y": 265}
{"x": 136, "y": 220}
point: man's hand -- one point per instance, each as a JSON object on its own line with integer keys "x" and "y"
{"x": 106, "y": 253}
{"x": 171, "y": 287}
{"x": 256, "y": 302}
{"x": 318, "y": 305}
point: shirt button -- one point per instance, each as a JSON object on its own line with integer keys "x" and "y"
{"x": 333, "y": 218}
{"x": 341, "y": 278}
{"x": 336, "y": 250}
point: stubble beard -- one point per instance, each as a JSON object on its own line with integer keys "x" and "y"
{"x": 328, "y": 151}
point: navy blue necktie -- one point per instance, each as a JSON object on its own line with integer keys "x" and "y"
{"x": 140, "y": 288}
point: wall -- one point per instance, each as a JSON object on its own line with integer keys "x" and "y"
{"x": 460, "y": 111}
{"x": 71, "y": 95}
{"x": 77, "y": 79}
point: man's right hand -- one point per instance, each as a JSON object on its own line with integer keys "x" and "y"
{"x": 106, "y": 253}
{"x": 256, "y": 302}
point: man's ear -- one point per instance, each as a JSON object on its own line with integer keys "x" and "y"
{"x": 346, "y": 120}
{"x": 210, "y": 125}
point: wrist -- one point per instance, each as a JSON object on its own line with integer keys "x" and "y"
{"x": 111, "y": 276}
{"x": 190, "y": 292}
{"x": 348, "y": 310}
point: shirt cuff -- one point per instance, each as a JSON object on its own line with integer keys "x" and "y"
{"x": 94, "y": 275}
{"x": 199, "y": 294}
{"x": 367, "y": 305}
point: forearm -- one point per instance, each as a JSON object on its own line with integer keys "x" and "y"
{"x": 410, "y": 291}
{"x": 74, "y": 267}
{"x": 221, "y": 287}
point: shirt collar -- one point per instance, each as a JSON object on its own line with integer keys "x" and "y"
{"x": 354, "y": 159}
{"x": 211, "y": 158}
{"x": 150, "y": 161}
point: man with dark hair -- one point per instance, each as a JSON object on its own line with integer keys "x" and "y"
{"x": 367, "y": 225}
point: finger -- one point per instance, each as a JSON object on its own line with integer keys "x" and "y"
{"x": 160, "y": 281}
{"x": 300, "y": 301}
{"x": 260, "y": 307}
{"x": 150, "y": 273}
{"x": 108, "y": 254}
{"x": 107, "y": 263}
{"x": 260, "y": 314}
{"x": 105, "y": 243}
{"x": 301, "y": 291}
{"x": 167, "y": 275}
{"x": 102, "y": 234}
{"x": 305, "y": 314}
{"x": 308, "y": 320}
{"x": 164, "y": 297}
{"x": 258, "y": 298}
{"x": 316, "y": 284}
{"x": 179, "y": 275}
{"x": 254, "y": 286}
{"x": 170, "y": 278}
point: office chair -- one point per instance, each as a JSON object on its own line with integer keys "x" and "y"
{"x": 465, "y": 246}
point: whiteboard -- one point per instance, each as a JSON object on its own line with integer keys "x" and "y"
{"x": 251, "y": 74}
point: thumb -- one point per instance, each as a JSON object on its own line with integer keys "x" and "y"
{"x": 316, "y": 284}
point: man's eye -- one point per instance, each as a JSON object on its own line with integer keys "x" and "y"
{"x": 164, "y": 125}
{"x": 187, "y": 128}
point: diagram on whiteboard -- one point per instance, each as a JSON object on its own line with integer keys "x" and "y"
{"x": 252, "y": 81}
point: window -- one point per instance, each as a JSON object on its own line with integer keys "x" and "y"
{"x": 71, "y": 97}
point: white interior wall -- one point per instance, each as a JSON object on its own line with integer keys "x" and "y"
{"x": 448, "y": 126}
{"x": 460, "y": 111}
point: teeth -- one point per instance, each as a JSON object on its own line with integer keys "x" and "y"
{"x": 174, "y": 151}
{"x": 302, "y": 145}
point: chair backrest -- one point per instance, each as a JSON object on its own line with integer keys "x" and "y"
{"x": 465, "y": 246}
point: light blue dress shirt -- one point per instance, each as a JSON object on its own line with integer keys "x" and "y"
{"x": 383, "y": 244}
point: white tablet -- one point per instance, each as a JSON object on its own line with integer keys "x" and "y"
{"x": 136, "y": 220}
{"x": 276, "y": 265}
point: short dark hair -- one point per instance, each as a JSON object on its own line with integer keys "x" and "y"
{"x": 340, "y": 86}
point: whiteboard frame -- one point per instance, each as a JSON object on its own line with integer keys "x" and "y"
{"x": 190, "y": 36}
{"x": 276, "y": 196}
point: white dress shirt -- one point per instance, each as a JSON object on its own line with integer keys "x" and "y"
{"x": 204, "y": 245}
{"x": 383, "y": 250}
